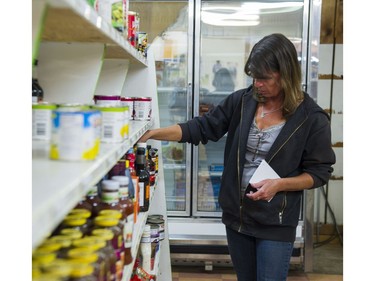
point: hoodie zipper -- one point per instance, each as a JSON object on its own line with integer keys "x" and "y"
{"x": 238, "y": 166}
{"x": 284, "y": 204}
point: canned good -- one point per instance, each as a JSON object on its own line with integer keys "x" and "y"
{"x": 157, "y": 221}
{"x": 74, "y": 134}
{"x": 133, "y": 27}
{"x": 142, "y": 108}
{"x": 129, "y": 102}
{"x": 154, "y": 233}
{"x": 114, "y": 123}
{"x": 73, "y": 106}
{"x": 42, "y": 120}
{"x": 142, "y": 43}
{"x": 107, "y": 100}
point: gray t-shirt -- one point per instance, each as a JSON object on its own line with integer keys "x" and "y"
{"x": 259, "y": 143}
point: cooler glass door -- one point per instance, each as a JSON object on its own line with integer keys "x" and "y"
{"x": 170, "y": 36}
{"x": 225, "y": 33}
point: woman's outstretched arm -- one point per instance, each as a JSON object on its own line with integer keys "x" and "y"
{"x": 171, "y": 133}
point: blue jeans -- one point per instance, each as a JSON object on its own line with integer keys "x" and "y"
{"x": 257, "y": 259}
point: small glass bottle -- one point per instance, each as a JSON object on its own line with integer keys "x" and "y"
{"x": 146, "y": 248}
{"x": 92, "y": 197}
{"x": 109, "y": 197}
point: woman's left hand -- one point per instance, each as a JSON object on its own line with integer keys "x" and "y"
{"x": 266, "y": 190}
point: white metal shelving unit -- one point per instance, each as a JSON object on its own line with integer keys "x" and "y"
{"x": 79, "y": 54}
{"x": 59, "y": 185}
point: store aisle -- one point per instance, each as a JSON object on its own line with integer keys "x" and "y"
{"x": 218, "y": 275}
{"x": 328, "y": 266}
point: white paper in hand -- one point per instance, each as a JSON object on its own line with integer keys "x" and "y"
{"x": 264, "y": 171}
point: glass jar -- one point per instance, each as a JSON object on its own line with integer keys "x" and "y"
{"x": 112, "y": 224}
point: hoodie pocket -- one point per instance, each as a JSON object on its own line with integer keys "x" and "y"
{"x": 263, "y": 212}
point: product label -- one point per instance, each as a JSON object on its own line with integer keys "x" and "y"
{"x": 42, "y": 124}
{"x": 112, "y": 126}
{"x": 142, "y": 109}
{"x": 118, "y": 16}
{"x": 141, "y": 194}
{"x": 74, "y": 136}
{"x": 128, "y": 230}
{"x": 109, "y": 197}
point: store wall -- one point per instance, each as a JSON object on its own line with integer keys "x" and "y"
{"x": 330, "y": 97}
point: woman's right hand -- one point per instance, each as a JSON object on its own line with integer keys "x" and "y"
{"x": 145, "y": 137}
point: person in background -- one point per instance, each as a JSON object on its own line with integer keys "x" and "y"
{"x": 223, "y": 80}
{"x": 275, "y": 121}
{"x": 216, "y": 66}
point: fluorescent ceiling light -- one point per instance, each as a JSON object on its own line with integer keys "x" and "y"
{"x": 246, "y": 14}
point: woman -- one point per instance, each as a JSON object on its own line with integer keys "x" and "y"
{"x": 272, "y": 120}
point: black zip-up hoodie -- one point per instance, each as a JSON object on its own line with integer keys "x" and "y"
{"x": 303, "y": 145}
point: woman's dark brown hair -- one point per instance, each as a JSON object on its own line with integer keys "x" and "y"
{"x": 276, "y": 53}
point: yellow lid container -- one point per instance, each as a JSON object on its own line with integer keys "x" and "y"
{"x": 106, "y": 221}
{"x": 72, "y": 233}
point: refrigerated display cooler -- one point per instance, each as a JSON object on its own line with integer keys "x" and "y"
{"x": 191, "y": 42}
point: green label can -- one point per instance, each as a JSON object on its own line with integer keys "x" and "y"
{"x": 42, "y": 120}
{"x": 114, "y": 123}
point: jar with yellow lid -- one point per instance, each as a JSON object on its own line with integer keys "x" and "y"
{"x": 115, "y": 214}
{"x": 36, "y": 270}
{"x": 80, "y": 212}
{"x": 48, "y": 277}
{"x": 41, "y": 257}
{"x": 109, "y": 198}
{"x": 87, "y": 256}
{"x": 97, "y": 245}
{"x": 75, "y": 222}
{"x": 123, "y": 226}
{"x": 84, "y": 213}
{"x": 111, "y": 223}
{"x": 71, "y": 233}
{"x": 109, "y": 251}
{"x": 81, "y": 272}
{"x": 60, "y": 268}
{"x": 65, "y": 242}
{"x": 49, "y": 246}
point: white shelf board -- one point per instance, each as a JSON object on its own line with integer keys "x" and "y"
{"x": 77, "y": 21}
{"x": 58, "y": 185}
